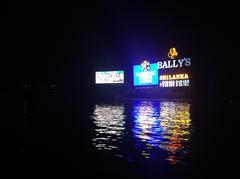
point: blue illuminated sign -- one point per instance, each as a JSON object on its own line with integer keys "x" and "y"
{"x": 145, "y": 76}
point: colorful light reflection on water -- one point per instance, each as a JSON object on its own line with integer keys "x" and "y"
{"x": 164, "y": 126}
{"x": 158, "y": 129}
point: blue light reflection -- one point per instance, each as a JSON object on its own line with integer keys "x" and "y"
{"x": 144, "y": 129}
{"x": 162, "y": 129}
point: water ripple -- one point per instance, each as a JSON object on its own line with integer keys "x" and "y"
{"x": 157, "y": 130}
{"x": 164, "y": 126}
{"x": 109, "y": 123}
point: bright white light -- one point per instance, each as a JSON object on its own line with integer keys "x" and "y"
{"x": 108, "y": 77}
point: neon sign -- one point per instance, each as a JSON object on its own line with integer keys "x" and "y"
{"x": 174, "y": 83}
{"x": 175, "y": 80}
{"x": 172, "y": 53}
{"x": 146, "y": 73}
{"x": 145, "y": 65}
{"x": 175, "y": 63}
{"x": 172, "y": 63}
{"x": 174, "y": 77}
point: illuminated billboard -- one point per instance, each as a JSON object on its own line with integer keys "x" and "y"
{"x": 169, "y": 72}
{"x": 109, "y": 77}
{"x": 174, "y": 80}
{"x": 145, "y": 74}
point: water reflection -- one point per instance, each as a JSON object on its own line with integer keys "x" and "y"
{"x": 175, "y": 121}
{"x": 152, "y": 129}
{"x": 146, "y": 128}
{"x": 164, "y": 126}
{"x": 109, "y": 123}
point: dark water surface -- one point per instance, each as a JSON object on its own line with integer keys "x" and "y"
{"x": 127, "y": 139}
{"x": 140, "y": 130}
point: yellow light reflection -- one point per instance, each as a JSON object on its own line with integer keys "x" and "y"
{"x": 175, "y": 121}
{"x": 164, "y": 125}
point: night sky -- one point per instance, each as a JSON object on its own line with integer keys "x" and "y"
{"x": 65, "y": 43}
